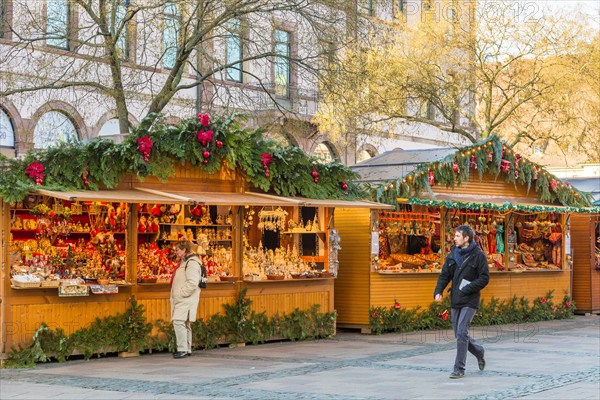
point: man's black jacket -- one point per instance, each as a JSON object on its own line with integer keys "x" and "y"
{"x": 474, "y": 269}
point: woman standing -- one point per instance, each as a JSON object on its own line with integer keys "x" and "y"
{"x": 185, "y": 296}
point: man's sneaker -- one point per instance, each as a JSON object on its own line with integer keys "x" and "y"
{"x": 481, "y": 361}
{"x": 457, "y": 374}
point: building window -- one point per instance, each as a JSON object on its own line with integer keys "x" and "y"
{"x": 7, "y": 132}
{"x": 363, "y": 155}
{"x": 122, "y": 37}
{"x": 171, "y": 34}
{"x": 235, "y": 51}
{"x": 401, "y": 7}
{"x": 283, "y": 52}
{"x": 110, "y": 128}
{"x": 57, "y": 23}
{"x": 53, "y": 127}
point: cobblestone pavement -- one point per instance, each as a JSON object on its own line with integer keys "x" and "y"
{"x": 547, "y": 360}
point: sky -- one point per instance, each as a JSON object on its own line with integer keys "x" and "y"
{"x": 589, "y": 7}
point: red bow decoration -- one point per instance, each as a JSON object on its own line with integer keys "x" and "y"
{"x": 35, "y": 171}
{"x": 553, "y": 184}
{"x": 145, "y": 146}
{"x": 205, "y": 137}
{"x": 505, "y": 166}
{"x": 267, "y": 159}
{"x": 431, "y": 178}
{"x": 204, "y": 119}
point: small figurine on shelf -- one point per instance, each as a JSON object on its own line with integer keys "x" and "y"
{"x": 142, "y": 225}
{"x": 152, "y": 224}
{"x": 308, "y": 226}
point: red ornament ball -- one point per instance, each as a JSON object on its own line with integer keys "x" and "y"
{"x": 344, "y": 186}
{"x": 314, "y": 174}
{"x": 219, "y": 143}
{"x": 317, "y": 179}
{"x": 206, "y": 154}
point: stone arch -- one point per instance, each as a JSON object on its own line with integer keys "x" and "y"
{"x": 283, "y": 137}
{"x": 16, "y": 122}
{"x": 368, "y": 149}
{"x": 64, "y": 108}
{"x": 112, "y": 114}
{"x": 318, "y": 150}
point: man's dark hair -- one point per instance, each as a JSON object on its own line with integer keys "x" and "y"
{"x": 466, "y": 230}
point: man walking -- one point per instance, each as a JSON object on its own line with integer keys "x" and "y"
{"x": 466, "y": 266}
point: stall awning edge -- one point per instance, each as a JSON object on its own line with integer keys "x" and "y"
{"x": 117, "y": 196}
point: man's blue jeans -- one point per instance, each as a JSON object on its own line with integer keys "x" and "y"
{"x": 461, "y": 319}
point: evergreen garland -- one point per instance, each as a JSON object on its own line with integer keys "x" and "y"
{"x": 101, "y": 163}
{"x": 529, "y": 174}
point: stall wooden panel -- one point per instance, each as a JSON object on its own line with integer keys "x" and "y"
{"x": 585, "y": 278}
{"x": 352, "y": 287}
{"x": 537, "y": 284}
{"x": 283, "y": 297}
{"x": 409, "y": 289}
{"x": 412, "y": 290}
{"x": 69, "y": 316}
{"x": 490, "y": 186}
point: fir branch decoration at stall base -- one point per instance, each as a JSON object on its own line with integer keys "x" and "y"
{"x": 489, "y": 156}
{"x": 130, "y": 331}
{"x": 516, "y": 310}
{"x": 153, "y": 148}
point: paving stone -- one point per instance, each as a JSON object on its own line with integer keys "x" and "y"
{"x": 546, "y": 360}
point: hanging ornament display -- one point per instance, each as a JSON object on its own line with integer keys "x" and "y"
{"x": 35, "y": 171}
{"x": 315, "y": 174}
{"x": 204, "y": 119}
{"x": 344, "y": 187}
{"x": 205, "y": 137}
{"x": 85, "y": 175}
{"x": 535, "y": 173}
{"x": 490, "y": 156}
{"x": 553, "y": 185}
{"x": 473, "y": 162}
{"x": 455, "y": 167}
{"x": 206, "y": 155}
{"x": 505, "y": 166}
{"x": 431, "y": 178}
{"x": 145, "y": 146}
{"x": 517, "y": 161}
{"x": 516, "y": 174}
{"x": 266, "y": 159}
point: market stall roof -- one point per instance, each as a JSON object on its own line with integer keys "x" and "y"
{"x": 342, "y": 203}
{"x": 228, "y": 198}
{"x": 479, "y": 198}
{"x": 124, "y": 195}
{"x": 397, "y": 163}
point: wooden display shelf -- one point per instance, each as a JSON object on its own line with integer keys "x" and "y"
{"x": 288, "y": 280}
{"x": 302, "y": 232}
{"x": 197, "y": 225}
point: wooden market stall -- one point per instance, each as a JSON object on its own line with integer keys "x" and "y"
{"x": 396, "y": 256}
{"x": 279, "y": 249}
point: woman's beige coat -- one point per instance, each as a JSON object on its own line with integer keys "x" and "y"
{"x": 185, "y": 293}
